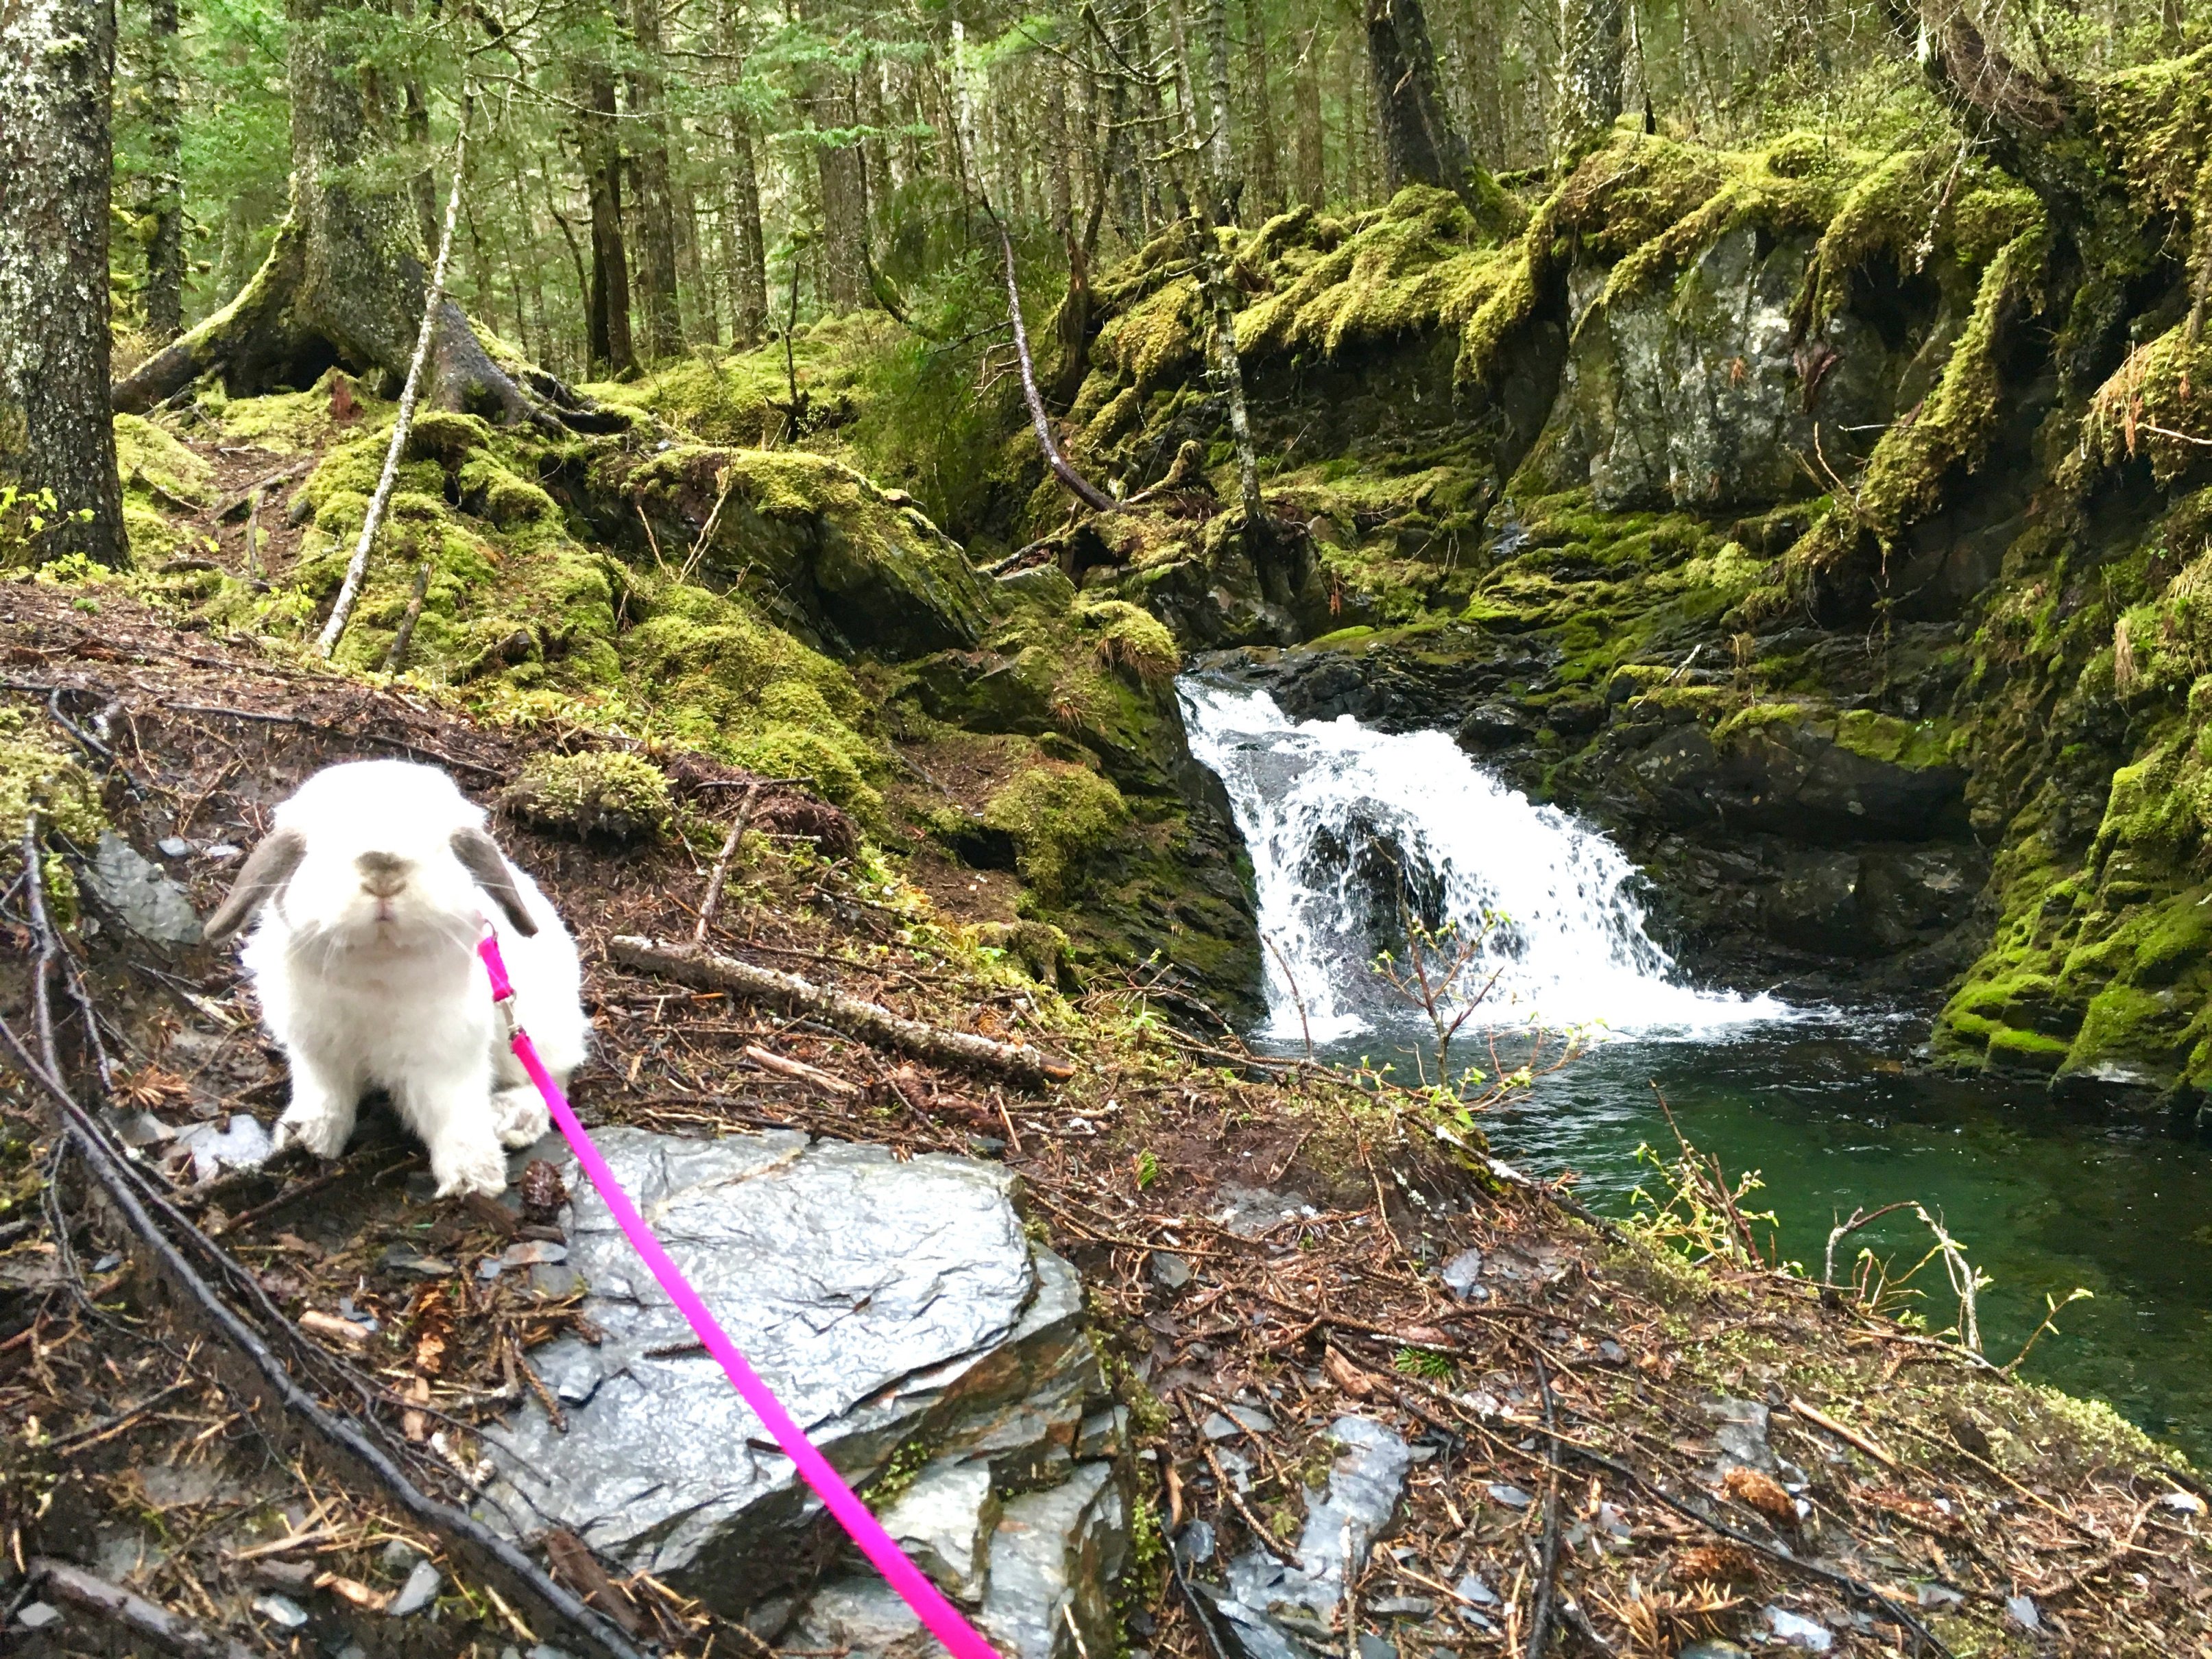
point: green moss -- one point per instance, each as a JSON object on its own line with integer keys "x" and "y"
{"x": 1056, "y": 815}
{"x": 36, "y": 773}
{"x": 706, "y": 669}
{"x": 148, "y": 457}
{"x": 1949, "y": 433}
{"x": 1132, "y": 641}
{"x": 602, "y": 792}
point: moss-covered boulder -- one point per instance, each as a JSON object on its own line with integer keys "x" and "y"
{"x": 848, "y": 566}
{"x": 608, "y": 794}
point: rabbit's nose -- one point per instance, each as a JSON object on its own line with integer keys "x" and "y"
{"x": 382, "y": 874}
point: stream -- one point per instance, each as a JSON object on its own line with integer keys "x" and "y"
{"x": 1354, "y": 832}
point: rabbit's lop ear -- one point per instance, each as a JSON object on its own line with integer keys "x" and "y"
{"x": 262, "y": 876}
{"x": 480, "y": 856}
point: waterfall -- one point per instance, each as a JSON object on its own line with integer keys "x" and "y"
{"x": 1352, "y": 830}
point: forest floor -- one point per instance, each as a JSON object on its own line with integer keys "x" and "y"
{"x": 1643, "y": 1451}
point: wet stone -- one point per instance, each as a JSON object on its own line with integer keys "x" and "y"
{"x": 1169, "y": 1271}
{"x": 1463, "y": 1272}
{"x": 887, "y": 1304}
{"x": 417, "y": 1593}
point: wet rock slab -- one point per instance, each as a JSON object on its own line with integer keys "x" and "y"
{"x": 901, "y": 1312}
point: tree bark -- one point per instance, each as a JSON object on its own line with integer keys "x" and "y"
{"x": 165, "y": 188}
{"x": 656, "y": 210}
{"x": 57, "y": 70}
{"x": 1588, "y": 101}
{"x": 1419, "y": 144}
{"x": 1221, "y": 156}
{"x": 344, "y": 282}
{"x": 607, "y": 307}
{"x": 748, "y": 273}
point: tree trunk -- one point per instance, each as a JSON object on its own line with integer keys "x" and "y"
{"x": 1591, "y": 33}
{"x": 656, "y": 211}
{"x": 704, "y": 314}
{"x": 748, "y": 273}
{"x": 844, "y": 203}
{"x": 1060, "y": 194}
{"x": 164, "y": 191}
{"x": 57, "y": 69}
{"x": 416, "y": 115}
{"x": 344, "y": 282}
{"x": 608, "y": 304}
{"x": 1221, "y": 157}
{"x": 1419, "y": 144}
{"x": 1312, "y": 182}
{"x": 1265, "y": 184}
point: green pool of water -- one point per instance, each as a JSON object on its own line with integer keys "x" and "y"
{"x": 2046, "y": 1198}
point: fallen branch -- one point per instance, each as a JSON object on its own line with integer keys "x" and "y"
{"x": 1547, "y": 1562}
{"x": 113, "y": 1605}
{"x": 870, "y": 1022}
{"x": 799, "y": 1071}
{"x": 1078, "y": 486}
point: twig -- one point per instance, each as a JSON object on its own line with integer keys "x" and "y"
{"x": 711, "y": 901}
{"x": 395, "y": 657}
{"x": 1859, "y": 1218}
{"x": 170, "y": 1632}
{"x": 1843, "y": 1431}
{"x": 869, "y": 1021}
{"x": 1078, "y": 486}
{"x": 1548, "y": 1566}
{"x": 1200, "y": 1614}
{"x": 1235, "y": 1499}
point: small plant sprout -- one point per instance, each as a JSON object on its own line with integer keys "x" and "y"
{"x": 1421, "y": 1362}
{"x": 1147, "y": 1169}
{"x": 1440, "y": 973}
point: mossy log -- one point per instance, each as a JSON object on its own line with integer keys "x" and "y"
{"x": 870, "y": 1022}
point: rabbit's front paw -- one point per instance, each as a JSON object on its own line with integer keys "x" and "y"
{"x": 317, "y": 1126}
{"x": 520, "y": 1114}
{"x": 470, "y": 1166}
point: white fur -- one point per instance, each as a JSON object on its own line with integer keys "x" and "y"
{"x": 364, "y": 991}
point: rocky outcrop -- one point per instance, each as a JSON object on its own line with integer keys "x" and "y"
{"x": 899, "y": 1310}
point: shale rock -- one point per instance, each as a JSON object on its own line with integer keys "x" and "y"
{"x": 903, "y": 1314}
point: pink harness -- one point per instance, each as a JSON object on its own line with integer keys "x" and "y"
{"x": 928, "y": 1603}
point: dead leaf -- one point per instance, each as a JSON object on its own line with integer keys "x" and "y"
{"x": 1346, "y": 1375}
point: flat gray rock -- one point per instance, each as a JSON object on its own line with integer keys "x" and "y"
{"x": 887, "y": 1304}
{"x": 140, "y": 893}
{"x": 1364, "y": 1485}
{"x": 943, "y": 1521}
{"x": 1054, "y": 1558}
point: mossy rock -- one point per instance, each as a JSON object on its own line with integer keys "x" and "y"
{"x": 1057, "y": 815}
{"x": 610, "y": 794}
{"x": 147, "y": 457}
{"x": 848, "y": 566}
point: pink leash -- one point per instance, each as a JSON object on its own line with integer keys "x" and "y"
{"x": 927, "y": 1602}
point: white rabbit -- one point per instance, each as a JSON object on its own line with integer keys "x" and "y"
{"x": 373, "y": 887}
